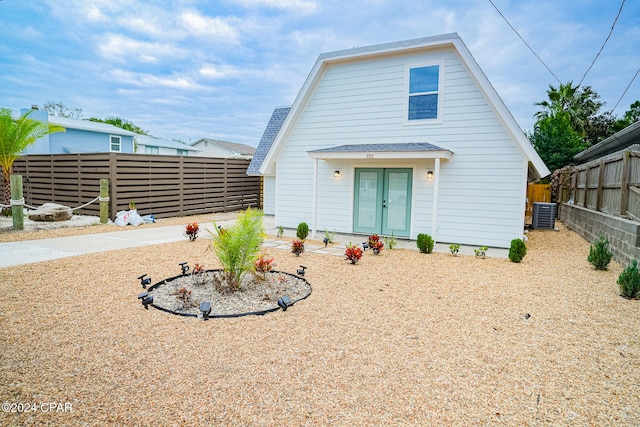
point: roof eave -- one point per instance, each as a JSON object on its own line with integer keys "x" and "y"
{"x": 356, "y": 155}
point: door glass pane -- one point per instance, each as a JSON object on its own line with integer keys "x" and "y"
{"x": 367, "y": 194}
{"x": 397, "y": 201}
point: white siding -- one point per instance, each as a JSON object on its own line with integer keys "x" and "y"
{"x": 481, "y": 188}
{"x": 212, "y": 150}
{"x": 269, "y": 196}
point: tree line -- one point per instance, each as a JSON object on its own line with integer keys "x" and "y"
{"x": 59, "y": 109}
{"x": 571, "y": 121}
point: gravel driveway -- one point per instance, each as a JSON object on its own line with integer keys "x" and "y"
{"x": 398, "y": 339}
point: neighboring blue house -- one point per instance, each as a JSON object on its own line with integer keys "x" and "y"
{"x": 81, "y": 136}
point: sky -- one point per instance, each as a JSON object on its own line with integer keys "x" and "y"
{"x": 188, "y": 69}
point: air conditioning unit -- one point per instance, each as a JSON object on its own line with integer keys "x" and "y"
{"x": 544, "y": 215}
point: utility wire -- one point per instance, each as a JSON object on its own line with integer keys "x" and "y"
{"x": 603, "y": 44}
{"x": 523, "y": 40}
{"x": 625, "y": 91}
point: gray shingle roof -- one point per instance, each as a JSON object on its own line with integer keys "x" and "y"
{"x": 273, "y": 127}
{"x": 357, "y": 148}
{"x": 242, "y": 149}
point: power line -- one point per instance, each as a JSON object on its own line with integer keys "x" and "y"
{"x": 625, "y": 91}
{"x": 523, "y": 40}
{"x": 603, "y": 44}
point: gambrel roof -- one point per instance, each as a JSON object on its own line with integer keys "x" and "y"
{"x": 266, "y": 165}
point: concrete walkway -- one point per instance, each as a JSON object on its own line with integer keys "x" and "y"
{"x": 30, "y": 251}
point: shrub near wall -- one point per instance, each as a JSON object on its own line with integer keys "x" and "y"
{"x": 623, "y": 234}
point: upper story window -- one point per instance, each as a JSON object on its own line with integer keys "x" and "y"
{"x": 148, "y": 149}
{"x": 424, "y": 87}
{"x": 182, "y": 152}
{"x": 115, "y": 143}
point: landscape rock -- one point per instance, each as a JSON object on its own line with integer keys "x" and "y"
{"x": 51, "y": 212}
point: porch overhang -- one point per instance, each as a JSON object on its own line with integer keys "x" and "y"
{"x": 412, "y": 150}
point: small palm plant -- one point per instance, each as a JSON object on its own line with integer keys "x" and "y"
{"x": 238, "y": 246}
{"x": 390, "y": 241}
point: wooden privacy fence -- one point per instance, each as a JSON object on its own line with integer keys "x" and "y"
{"x": 537, "y": 193}
{"x": 610, "y": 185}
{"x": 161, "y": 185}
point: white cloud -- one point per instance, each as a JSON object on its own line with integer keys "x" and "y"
{"x": 201, "y": 25}
{"x": 151, "y": 80}
{"x": 304, "y": 5}
{"x": 212, "y": 71}
{"x": 119, "y": 47}
{"x": 94, "y": 14}
{"x": 147, "y": 25}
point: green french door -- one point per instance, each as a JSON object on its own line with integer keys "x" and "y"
{"x": 382, "y": 201}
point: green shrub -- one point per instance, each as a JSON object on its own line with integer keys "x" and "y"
{"x": 481, "y": 252}
{"x": 454, "y": 248}
{"x": 425, "y": 243}
{"x": 302, "y": 231}
{"x": 238, "y": 246}
{"x": 599, "y": 253}
{"x": 517, "y": 250}
{"x": 629, "y": 280}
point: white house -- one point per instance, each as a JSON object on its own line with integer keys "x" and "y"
{"x": 147, "y": 144}
{"x": 217, "y": 148}
{"x": 404, "y": 138}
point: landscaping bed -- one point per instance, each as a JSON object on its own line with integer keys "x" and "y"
{"x": 399, "y": 338}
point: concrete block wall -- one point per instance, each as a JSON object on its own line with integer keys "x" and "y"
{"x": 623, "y": 234}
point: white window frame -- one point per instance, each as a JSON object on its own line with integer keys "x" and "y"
{"x": 180, "y": 152}
{"x": 149, "y": 149}
{"x": 440, "y": 92}
{"x": 119, "y": 138}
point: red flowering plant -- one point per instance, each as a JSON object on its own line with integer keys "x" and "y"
{"x": 264, "y": 264}
{"x": 353, "y": 253}
{"x": 297, "y": 247}
{"x": 192, "y": 231}
{"x": 184, "y": 295}
{"x": 375, "y": 243}
{"x": 197, "y": 274}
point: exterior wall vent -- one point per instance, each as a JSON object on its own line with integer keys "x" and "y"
{"x": 544, "y": 215}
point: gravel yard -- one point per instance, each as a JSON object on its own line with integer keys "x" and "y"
{"x": 398, "y": 339}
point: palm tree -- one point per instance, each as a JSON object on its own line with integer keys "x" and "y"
{"x": 580, "y": 103}
{"x": 15, "y": 136}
